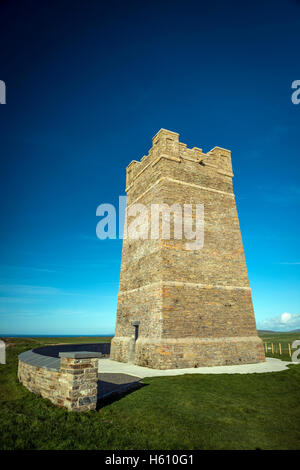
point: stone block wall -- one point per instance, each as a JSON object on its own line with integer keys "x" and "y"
{"x": 72, "y": 386}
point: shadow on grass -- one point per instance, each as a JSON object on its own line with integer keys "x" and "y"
{"x": 118, "y": 393}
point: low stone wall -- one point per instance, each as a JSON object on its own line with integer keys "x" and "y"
{"x": 71, "y": 382}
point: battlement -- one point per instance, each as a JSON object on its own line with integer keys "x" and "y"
{"x": 166, "y": 145}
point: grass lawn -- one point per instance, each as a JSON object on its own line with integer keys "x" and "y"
{"x": 183, "y": 412}
{"x": 284, "y": 339}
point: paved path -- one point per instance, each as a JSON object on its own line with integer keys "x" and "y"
{"x": 114, "y": 367}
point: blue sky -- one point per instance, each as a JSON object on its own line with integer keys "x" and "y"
{"x": 88, "y": 85}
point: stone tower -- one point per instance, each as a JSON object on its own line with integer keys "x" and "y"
{"x": 179, "y": 307}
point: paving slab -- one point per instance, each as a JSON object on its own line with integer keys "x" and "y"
{"x": 114, "y": 367}
{"x": 80, "y": 354}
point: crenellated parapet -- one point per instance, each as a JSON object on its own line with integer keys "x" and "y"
{"x": 166, "y": 146}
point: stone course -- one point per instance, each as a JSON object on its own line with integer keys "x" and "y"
{"x": 194, "y": 306}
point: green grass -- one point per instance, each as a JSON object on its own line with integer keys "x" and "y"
{"x": 182, "y": 412}
{"x": 284, "y": 339}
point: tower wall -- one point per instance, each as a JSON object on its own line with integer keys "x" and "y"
{"x": 194, "y": 307}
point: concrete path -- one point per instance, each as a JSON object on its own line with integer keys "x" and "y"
{"x": 114, "y": 367}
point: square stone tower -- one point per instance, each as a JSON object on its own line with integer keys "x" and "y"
{"x": 179, "y": 307}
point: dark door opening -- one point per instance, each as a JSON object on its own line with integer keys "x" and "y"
{"x": 136, "y": 325}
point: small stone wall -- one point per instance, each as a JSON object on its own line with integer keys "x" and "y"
{"x": 71, "y": 384}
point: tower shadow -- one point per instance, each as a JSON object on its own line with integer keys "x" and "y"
{"x": 114, "y": 387}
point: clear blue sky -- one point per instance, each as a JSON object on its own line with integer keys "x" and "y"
{"x": 88, "y": 86}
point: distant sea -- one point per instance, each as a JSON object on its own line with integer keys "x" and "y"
{"x": 55, "y": 336}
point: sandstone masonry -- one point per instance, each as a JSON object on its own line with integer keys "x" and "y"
{"x": 73, "y": 385}
{"x": 179, "y": 308}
